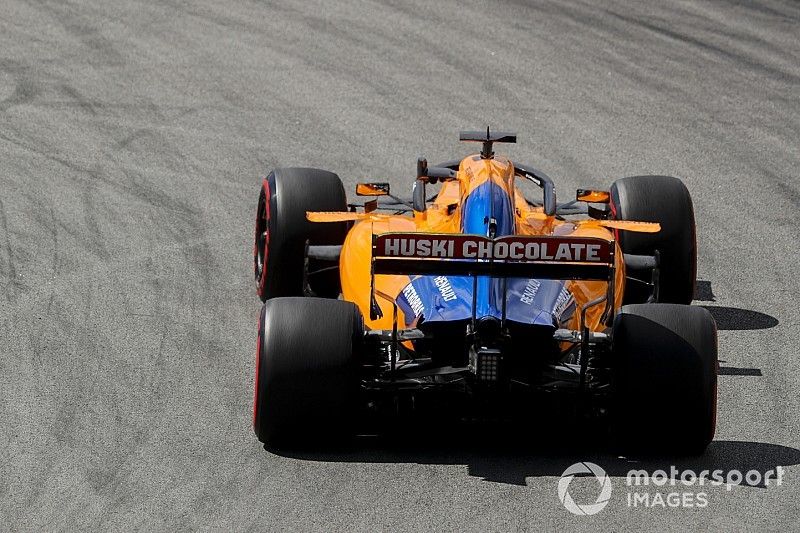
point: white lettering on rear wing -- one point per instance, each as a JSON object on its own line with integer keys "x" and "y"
{"x": 509, "y": 256}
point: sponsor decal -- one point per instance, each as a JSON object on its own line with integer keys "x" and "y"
{"x": 564, "y": 302}
{"x": 531, "y": 288}
{"x": 413, "y": 299}
{"x": 445, "y": 289}
{"x": 508, "y": 248}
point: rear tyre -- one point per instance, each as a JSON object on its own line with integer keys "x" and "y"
{"x": 281, "y": 231}
{"x": 665, "y": 200}
{"x": 665, "y": 378}
{"x": 307, "y": 379}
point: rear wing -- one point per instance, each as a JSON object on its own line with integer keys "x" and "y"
{"x": 512, "y": 256}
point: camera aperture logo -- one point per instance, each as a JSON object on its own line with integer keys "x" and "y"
{"x": 582, "y": 469}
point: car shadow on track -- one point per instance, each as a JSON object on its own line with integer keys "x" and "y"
{"x": 731, "y": 318}
{"x": 493, "y": 457}
{"x": 734, "y": 318}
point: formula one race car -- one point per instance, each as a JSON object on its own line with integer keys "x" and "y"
{"x": 480, "y": 294}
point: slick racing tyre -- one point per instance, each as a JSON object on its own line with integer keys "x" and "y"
{"x": 665, "y": 378}
{"x": 307, "y": 378}
{"x": 665, "y": 200}
{"x": 281, "y": 231}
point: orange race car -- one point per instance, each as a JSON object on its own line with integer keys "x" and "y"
{"x": 482, "y": 294}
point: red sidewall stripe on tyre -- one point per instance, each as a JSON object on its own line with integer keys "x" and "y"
{"x": 259, "y": 342}
{"x": 267, "y": 200}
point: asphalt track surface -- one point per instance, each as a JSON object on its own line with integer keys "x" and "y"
{"x": 132, "y": 138}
